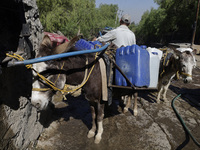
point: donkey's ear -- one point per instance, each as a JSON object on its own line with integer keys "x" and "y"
{"x": 62, "y": 48}
{"x": 195, "y": 60}
{"x": 74, "y": 40}
{"x": 194, "y": 52}
{"x": 46, "y": 40}
{"x": 176, "y": 53}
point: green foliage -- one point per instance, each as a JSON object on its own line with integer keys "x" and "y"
{"x": 171, "y": 22}
{"x": 69, "y": 16}
{"x": 132, "y": 26}
{"x": 149, "y": 27}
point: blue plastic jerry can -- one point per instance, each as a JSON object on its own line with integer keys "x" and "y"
{"x": 134, "y": 62}
{"x": 83, "y": 45}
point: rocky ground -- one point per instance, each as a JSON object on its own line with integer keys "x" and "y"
{"x": 156, "y": 127}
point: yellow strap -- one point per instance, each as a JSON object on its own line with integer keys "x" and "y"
{"x": 20, "y": 58}
{"x": 47, "y": 81}
{"x": 40, "y": 89}
{"x": 43, "y": 78}
{"x": 163, "y": 49}
{"x": 97, "y": 45}
{"x": 188, "y": 75}
{"x": 16, "y": 56}
{"x": 177, "y": 74}
{"x": 70, "y": 91}
{"x": 164, "y": 64}
{"x": 59, "y": 73}
{"x": 51, "y": 84}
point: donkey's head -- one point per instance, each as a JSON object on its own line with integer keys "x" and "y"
{"x": 42, "y": 91}
{"x": 186, "y": 62}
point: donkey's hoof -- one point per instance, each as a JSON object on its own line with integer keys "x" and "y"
{"x": 91, "y": 134}
{"x": 158, "y": 101}
{"x": 167, "y": 103}
{"x": 125, "y": 110}
{"x": 165, "y": 99}
{"x": 135, "y": 112}
{"x": 97, "y": 139}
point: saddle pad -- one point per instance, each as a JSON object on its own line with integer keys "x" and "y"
{"x": 104, "y": 80}
{"x": 59, "y": 39}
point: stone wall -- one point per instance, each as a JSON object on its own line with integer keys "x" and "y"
{"x": 20, "y": 123}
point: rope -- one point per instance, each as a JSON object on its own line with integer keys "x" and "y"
{"x": 163, "y": 49}
{"x": 59, "y": 73}
{"x": 182, "y": 122}
{"x": 164, "y": 64}
{"x": 70, "y": 91}
{"x": 186, "y": 74}
{"x": 177, "y": 73}
{"x": 97, "y": 45}
{"x": 20, "y": 58}
{"x": 63, "y": 90}
{"x": 51, "y": 84}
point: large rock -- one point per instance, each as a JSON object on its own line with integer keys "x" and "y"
{"x": 20, "y": 123}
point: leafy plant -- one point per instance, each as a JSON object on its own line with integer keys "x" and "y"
{"x": 70, "y": 16}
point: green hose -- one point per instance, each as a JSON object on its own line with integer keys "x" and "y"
{"x": 182, "y": 122}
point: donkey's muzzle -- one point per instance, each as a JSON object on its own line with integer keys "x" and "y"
{"x": 187, "y": 79}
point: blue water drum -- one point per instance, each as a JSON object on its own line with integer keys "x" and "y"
{"x": 96, "y": 44}
{"x": 143, "y": 46}
{"x": 134, "y": 62}
{"x": 83, "y": 45}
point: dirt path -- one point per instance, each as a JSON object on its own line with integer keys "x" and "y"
{"x": 156, "y": 127}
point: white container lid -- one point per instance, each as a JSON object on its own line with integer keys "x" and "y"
{"x": 160, "y": 53}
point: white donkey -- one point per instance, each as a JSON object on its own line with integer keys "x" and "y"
{"x": 181, "y": 62}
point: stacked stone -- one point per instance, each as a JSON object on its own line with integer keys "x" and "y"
{"x": 32, "y": 18}
{"x": 20, "y": 123}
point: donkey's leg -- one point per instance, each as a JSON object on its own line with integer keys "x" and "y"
{"x": 128, "y": 103}
{"x": 124, "y": 99}
{"x": 159, "y": 93}
{"x": 100, "y": 117}
{"x": 92, "y": 131}
{"x": 165, "y": 88}
{"x": 135, "y": 103}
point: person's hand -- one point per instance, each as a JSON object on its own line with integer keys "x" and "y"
{"x": 94, "y": 39}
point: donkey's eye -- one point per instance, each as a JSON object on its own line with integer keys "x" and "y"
{"x": 183, "y": 67}
{"x": 188, "y": 52}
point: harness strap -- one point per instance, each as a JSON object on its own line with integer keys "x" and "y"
{"x": 51, "y": 84}
{"x": 83, "y": 83}
{"x": 46, "y": 80}
{"x": 177, "y": 75}
{"x": 71, "y": 87}
{"x": 59, "y": 73}
{"x": 165, "y": 62}
{"x": 39, "y": 89}
{"x": 20, "y": 58}
{"x": 186, "y": 74}
{"x": 63, "y": 90}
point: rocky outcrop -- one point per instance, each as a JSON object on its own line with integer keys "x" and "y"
{"x": 20, "y": 123}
